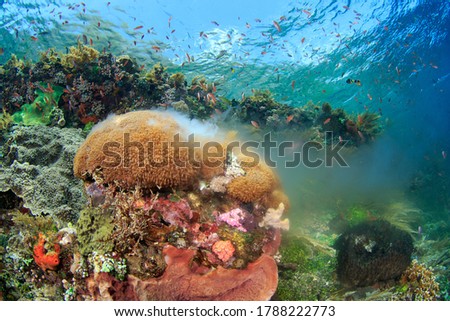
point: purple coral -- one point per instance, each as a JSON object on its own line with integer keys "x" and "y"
{"x": 234, "y": 218}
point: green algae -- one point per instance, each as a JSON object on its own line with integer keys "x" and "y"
{"x": 94, "y": 230}
{"x": 42, "y": 109}
{"x": 306, "y": 273}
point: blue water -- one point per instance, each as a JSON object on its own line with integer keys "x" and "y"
{"x": 397, "y": 49}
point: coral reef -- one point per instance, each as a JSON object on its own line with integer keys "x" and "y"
{"x": 169, "y": 222}
{"x": 37, "y": 168}
{"x": 143, "y": 229}
{"x": 418, "y": 283}
{"x": 96, "y": 84}
{"x": 371, "y": 252}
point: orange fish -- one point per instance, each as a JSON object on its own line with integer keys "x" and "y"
{"x": 254, "y": 124}
{"x": 34, "y": 38}
{"x": 211, "y": 97}
{"x": 98, "y": 24}
{"x": 277, "y": 25}
{"x": 293, "y": 84}
{"x": 303, "y": 39}
{"x": 156, "y": 48}
{"x": 289, "y": 118}
{"x": 307, "y": 13}
{"x": 327, "y": 120}
{"x": 138, "y": 27}
{"x": 188, "y": 57}
{"x": 360, "y": 120}
{"x": 346, "y": 7}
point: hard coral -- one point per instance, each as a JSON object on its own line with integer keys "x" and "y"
{"x": 44, "y": 259}
{"x": 258, "y": 181}
{"x": 136, "y": 149}
{"x": 419, "y": 284}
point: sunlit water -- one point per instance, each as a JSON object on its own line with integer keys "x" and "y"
{"x": 301, "y": 51}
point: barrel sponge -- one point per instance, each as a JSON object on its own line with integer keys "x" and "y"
{"x": 259, "y": 180}
{"x": 150, "y": 134}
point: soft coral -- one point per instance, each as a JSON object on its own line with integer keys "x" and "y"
{"x": 44, "y": 259}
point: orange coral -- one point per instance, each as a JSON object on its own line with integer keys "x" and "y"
{"x": 44, "y": 259}
{"x": 258, "y": 181}
{"x": 223, "y": 249}
{"x": 150, "y": 159}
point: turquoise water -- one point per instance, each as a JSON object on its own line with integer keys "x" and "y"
{"x": 301, "y": 51}
{"x": 397, "y": 49}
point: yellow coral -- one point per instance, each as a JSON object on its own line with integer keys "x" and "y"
{"x": 5, "y": 120}
{"x": 79, "y": 55}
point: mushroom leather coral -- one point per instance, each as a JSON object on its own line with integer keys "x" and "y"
{"x": 46, "y": 260}
{"x": 180, "y": 282}
{"x": 150, "y": 136}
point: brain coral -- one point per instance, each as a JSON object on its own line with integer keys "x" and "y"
{"x": 258, "y": 181}
{"x": 135, "y": 149}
